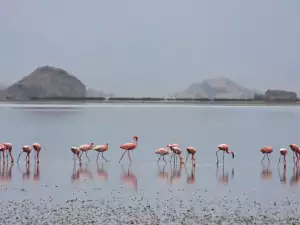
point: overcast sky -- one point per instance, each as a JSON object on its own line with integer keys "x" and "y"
{"x": 153, "y": 47}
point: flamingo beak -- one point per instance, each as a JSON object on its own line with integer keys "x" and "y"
{"x": 232, "y": 153}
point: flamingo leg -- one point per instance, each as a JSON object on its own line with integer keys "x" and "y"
{"x": 122, "y": 156}
{"x": 7, "y": 155}
{"x": 186, "y": 158}
{"x": 171, "y": 156}
{"x": 3, "y": 155}
{"x": 159, "y": 159}
{"x": 87, "y": 156}
{"x": 263, "y": 158}
{"x": 164, "y": 159}
{"x": 104, "y": 157}
{"x": 284, "y": 162}
{"x": 98, "y": 156}
{"x": 129, "y": 156}
{"x": 74, "y": 156}
{"x": 268, "y": 158}
{"x": 217, "y": 156}
{"x": 19, "y": 156}
{"x": 279, "y": 160}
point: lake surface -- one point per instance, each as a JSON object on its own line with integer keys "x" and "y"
{"x": 239, "y": 186}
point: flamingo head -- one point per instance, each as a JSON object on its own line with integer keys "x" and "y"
{"x": 135, "y": 138}
{"x": 92, "y": 144}
{"x": 232, "y": 153}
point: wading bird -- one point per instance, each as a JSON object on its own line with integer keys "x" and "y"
{"x": 101, "y": 149}
{"x": 266, "y": 151}
{"x": 37, "y": 148}
{"x": 296, "y": 151}
{"x": 178, "y": 152}
{"x": 86, "y": 148}
{"x": 25, "y": 149}
{"x": 283, "y": 152}
{"x": 224, "y": 148}
{"x": 9, "y": 149}
{"x": 191, "y": 150}
{"x": 171, "y": 147}
{"x": 76, "y": 152}
{"x": 162, "y": 152}
{"x": 128, "y": 147}
{"x": 2, "y": 149}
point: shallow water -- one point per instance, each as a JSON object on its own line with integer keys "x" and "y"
{"x": 238, "y": 184}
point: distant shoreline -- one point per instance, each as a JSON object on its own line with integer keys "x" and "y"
{"x": 118, "y": 100}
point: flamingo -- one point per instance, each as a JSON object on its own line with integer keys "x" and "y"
{"x": 2, "y": 149}
{"x": 295, "y": 149}
{"x": 76, "y": 151}
{"x": 27, "y": 149}
{"x": 171, "y": 147}
{"x": 102, "y": 149}
{"x": 191, "y": 150}
{"x": 283, "y": 152}
{"x": 128, "y": 147}
{"x": 266, "y": 151}
{"x": 37, "y": 148}
{"x": 224, "y": 148}
{"x": 9, "y": 149}
{"x": 177, "y": 151}
{"x": 162, "y": 152}
{"x": 85, "y": 148}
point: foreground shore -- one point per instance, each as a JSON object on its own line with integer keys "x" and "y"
{"x": 138, "y": 210}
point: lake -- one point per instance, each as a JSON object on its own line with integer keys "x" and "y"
{"x": 240, "y": 191}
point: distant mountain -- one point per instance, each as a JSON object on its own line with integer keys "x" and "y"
{"x": 220, "y": 87}
{"x": 46, "y": 81}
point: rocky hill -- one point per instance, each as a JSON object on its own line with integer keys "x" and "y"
{"x": 46, "y": 81}
{"x": 220, "y": 87}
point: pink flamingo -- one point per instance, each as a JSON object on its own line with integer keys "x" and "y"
{"x": 171, "y": 146}
{"x": 177, "y": 151}
{"x": 162, "y": 152}
{"x": 128, "y": 147}
{"x": 27, "y": 149}
{"x": 86, "y": 148}
{"x": 2, "y": 149}
{"x": 266, "y": 150}
{"x": 102, "y": 149}
{"x": 9, "y": 149}
{"x": 296, "y": 151}
{"x": 283, "y": 152}
{"x": 191, "y": 150}
{"x": 224, "y": 148}
{"x": 76, "y": 151}
{"x": 37, "y": 148}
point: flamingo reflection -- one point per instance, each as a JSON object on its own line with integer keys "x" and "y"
{"x": 282, "y": 176}
{"x": 162, "y": 174}
{"x": 129, "y": 177}
{"x": 36, "y": 175}
{"x": 224, "y": 178}
{"x": 101, "y": 172}
{"x": 26, "y": 174}
{"x": 266, "y": 172}
{"x": 81, "y": 172}
{"x": 295, "y": 176}
{"x": 5, "y": 173}
{"x": 175, "y": 173}
{"x": 190, "y": 177}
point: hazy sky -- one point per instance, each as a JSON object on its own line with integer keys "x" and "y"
{"x": 153, "y": 47}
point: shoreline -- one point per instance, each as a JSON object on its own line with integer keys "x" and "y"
{"x": 169, "y": 102}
